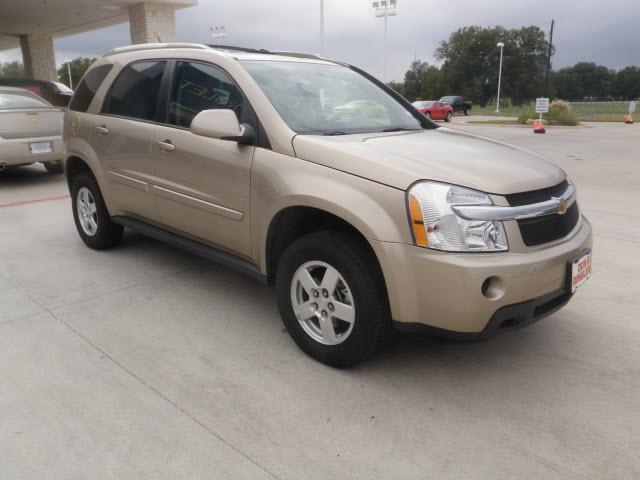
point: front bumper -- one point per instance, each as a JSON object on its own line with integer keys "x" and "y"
{"x": 15, "y": 151}
{"x": 443, "y": 291}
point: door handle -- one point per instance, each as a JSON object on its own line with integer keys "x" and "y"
{"x": 167, "y": 146}
{"x": 102, "y": 129}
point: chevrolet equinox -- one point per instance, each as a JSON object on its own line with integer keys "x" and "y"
{"x": 315, "y": 177}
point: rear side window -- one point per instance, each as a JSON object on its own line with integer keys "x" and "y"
{"x": 135, "y": 92}
{"x": 88, "y": 88}
{"x": 200, "y": 86}
{"x": 17, "y": 100}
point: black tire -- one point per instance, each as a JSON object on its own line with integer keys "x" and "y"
{"x": 53, "y": 167}
{"x": 466, "y": 112}
{"x": 108, "y": 234}
{"x": 354, "y": 262}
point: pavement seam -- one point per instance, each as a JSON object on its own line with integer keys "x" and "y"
{"x": 611, "y": 237}
{"x": 163, "y": 396}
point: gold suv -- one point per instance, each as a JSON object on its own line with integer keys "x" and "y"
{"x": 315, "y": 177}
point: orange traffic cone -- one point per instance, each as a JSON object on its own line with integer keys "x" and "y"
{"x": 538, "y": 127}
{"x": 628, "y": 119}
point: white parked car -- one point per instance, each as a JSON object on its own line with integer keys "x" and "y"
{"x": 30, "y": 130}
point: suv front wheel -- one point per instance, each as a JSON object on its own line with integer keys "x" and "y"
{"x": 90, "y": 214}
{"x": 332, "y": 298}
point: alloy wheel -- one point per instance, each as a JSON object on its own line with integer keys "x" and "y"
{"x": 323, "y": 303}
{"x": 87, "y": 211}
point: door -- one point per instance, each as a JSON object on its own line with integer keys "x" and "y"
{"x": 122, "y": 138}
{"x": 438, "y": 111}
{"x": 202, "y": 187}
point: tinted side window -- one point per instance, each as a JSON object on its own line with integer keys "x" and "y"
{"x": 88, "y": 88}
{"x": 199, "y": 86}
{"x": 135, "y": 92}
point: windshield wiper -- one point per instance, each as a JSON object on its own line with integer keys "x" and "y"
{"x": 331, "y": 134}
{"x": 399, "y": 129}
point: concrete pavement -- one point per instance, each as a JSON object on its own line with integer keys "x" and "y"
{"x": 147, "y": 362}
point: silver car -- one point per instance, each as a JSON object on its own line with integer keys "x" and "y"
{"x": 30, "y": 130}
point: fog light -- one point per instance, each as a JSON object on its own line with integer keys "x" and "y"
{"x": 493, "y": 288}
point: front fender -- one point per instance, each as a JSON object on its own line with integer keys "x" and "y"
{"x": 279, "y": 181}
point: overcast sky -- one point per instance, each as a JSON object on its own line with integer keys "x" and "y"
{"x": 604, "y": 32}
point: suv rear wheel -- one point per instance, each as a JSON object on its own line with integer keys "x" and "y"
{"x": 332, "y": 298}
{"x": 90, "y": 214}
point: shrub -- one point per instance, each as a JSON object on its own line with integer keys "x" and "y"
{"x": 522, "y": 119}
{"x": 560, "y": 113}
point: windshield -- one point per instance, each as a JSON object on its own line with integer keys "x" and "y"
{"x": 16, "y": 100}
{"x": 447, "y": 99}
{"x": 316, "y": 98}
{"x": 422, "y": 104}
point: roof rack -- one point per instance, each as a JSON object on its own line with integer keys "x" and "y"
{"x": 239, "y": 49}
{"x": 299, "y": 55}
{"x": 153, "y": 46}
{"x": 267, "y": 52}
{"x": 231, "y": 48}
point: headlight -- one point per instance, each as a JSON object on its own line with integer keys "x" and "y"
{"x": 435, "y": 225}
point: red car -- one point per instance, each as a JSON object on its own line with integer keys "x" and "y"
{"x": 435, "y": 110}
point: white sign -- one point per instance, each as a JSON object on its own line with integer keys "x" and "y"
{"x": 542, "y": 105}
{"x": 632, "y": 107}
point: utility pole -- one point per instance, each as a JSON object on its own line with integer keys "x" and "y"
{"x": 322, "y": 28}
{"x": 546, "y": 88}
{"x": 69, "y": 73}
{"x": 500, "y": 45}
{"x": 218, "y": 32}
{"x": 385, "y": 9}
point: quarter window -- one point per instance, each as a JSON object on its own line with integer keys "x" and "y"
{"x": 135, "y": 92}
{"x": 200, "y": 86}
{"x": 88, "y": 88}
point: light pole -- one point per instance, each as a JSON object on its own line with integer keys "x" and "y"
{"x": 322, "y": 28}
{"x": 385, "y": 9}
{"x": 218, "y": 32}
{"x": 501, "y": 46}
{"x": 68, "y": 62}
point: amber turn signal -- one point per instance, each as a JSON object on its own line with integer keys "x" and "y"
{"x": 417, "y": 222}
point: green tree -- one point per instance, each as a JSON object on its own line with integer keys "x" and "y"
{"x": 583, "y": 81}
{"x": 433, "y": 86}
{"x": 11, "y": 70}
{"x": 397, "y": 86}
{"x": 77, "y": 66}
{"x": 414, "y": 80}
{"x": 471, "y": 60}
{"x": 626, "y": 84}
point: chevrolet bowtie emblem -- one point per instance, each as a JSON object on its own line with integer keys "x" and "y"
{"x": 562, "y": 207}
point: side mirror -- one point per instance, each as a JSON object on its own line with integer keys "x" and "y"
{"x": 222, "y": 124}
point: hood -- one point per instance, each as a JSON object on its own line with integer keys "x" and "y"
{"x": 402, "y": 158}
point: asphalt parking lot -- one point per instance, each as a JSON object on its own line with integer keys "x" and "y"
{"x": 145, "y": 362}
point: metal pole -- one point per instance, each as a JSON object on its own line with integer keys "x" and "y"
{"x": 546, "y": 88}
{"x": 499, "y": 80}
{"x": 69, "y": 72}
{"x": 384, "y": 71}
{"x": 322, "y": 28}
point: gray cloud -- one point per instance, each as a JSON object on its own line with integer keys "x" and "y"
{"x": 585, "y": 29}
